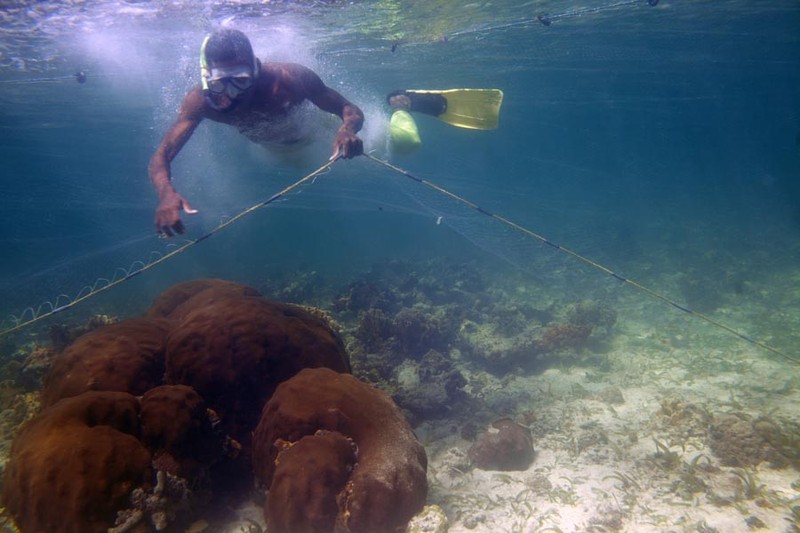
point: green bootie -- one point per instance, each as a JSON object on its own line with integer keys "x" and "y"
{"x": 404, "y": 134}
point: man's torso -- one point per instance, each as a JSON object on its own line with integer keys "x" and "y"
{"x": 275, "y": 113}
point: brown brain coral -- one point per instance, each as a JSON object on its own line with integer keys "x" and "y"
{"x": 179, "y": 300}
{"x": 234, "y": 351}
{"x": 508, "y": 448}
{"x": 177, "y": 429}
{"x": 388, "y": 483}
{"x": 314, "y": 470}
{"x": 75, "y": 464}
{"x": 126, "y": 357}
{"x": 222, "y": 346}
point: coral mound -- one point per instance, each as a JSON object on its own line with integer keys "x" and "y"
{"x": 125, "y": 357}
{"x": 181, "y": 299}
{"x": 509, "y": 448}
{"x": 739, "y": 440}
{"x": 313, "y": 470}
{"x": 234, "y": 351}
{"x": 205, "y": 360}
{"x": 177, "y": 428}
{"x": 74, "y": 465}
{"x": 388, "y": 483}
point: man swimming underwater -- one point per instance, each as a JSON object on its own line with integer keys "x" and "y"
{"x": 237, "y": 89}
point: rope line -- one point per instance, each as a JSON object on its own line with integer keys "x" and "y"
{"x": 132, "y": 272}
{"x": 597, "y": 266}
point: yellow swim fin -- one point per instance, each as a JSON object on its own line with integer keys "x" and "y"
{"x": 477, "y": 109}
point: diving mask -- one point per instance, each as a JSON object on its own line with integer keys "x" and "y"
{"x": 232, "y": 81}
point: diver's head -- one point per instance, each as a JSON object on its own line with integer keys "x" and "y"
{"x": 228, "y": 68}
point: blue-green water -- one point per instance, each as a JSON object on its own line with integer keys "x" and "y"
{"x": 659, "y": 140}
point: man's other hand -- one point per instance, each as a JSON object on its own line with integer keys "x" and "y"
{"x": 168, "y": 214}
{"x": 347, "y": 145}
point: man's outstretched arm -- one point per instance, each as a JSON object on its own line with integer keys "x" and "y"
{"x": 346, "y": 143}
{"x": 170, "y": 203}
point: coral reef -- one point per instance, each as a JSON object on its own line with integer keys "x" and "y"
{"x": 179, "y": 430}
{"x": 230, "y": 367}
{"x": 392, "y": 285}
{"x": 682, "y": 421}
{"x": 533, "y": 348}
{"x": 234, "y": 351}
{"x": 431, "y": 520}
{"x": 158, "y": 507}
{"x": 308, "y": 286}
{"x": 418, "y": 330}
{"x": 561, "y": 337}
{"x": 62, "y": 335}
{"x": 16, "y": 407}
{"x": 497, "y": 347}
{"x": 74, "y": 465}
{"x": 592, "y": 313}
{"x": 374, "y": 329}
{"x": 34, "y": 368}
{"x": 739, "y": 440}
{"x": 510, "y": 447}
{"x": 364, "y": 295}
{"x": 26, "y": 365}
{"x": 181, "y": 299}
{"x": 411, "y": 332}
{"x": 387, "y": 485}
{"x": 313, "y": 470}
{"x": 205, "y": 358}
{"x": 404, "y": 310}
{"x": 431, "y": 387}
{"x": 127, "y": 356}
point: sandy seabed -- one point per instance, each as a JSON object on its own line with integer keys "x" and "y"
{"x": 628, "y": 448}
{"x": 628, "y": 438}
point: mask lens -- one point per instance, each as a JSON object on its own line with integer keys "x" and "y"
{"x": 230, "y": 81}
{"x": 216, "y": 86}
{"x": 232, "y": 90}
{"x": 242, "y": 82}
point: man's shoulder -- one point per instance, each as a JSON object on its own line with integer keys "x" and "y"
{"x": 194, "y": 104}
{"x": 282, "y": 65}
{"x": 288, "y": 71}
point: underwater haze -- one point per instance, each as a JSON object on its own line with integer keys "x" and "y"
{"x": 650, "y": 141}
{"x": 626, "y": 128}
